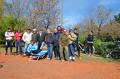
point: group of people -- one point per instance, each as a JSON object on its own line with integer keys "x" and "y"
{"x": 60, "y": 43}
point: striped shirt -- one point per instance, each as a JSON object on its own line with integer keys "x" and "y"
{"x": 9, "y": 35}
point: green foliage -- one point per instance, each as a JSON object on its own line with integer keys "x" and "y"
{"x": 82, "y": 39}
{"x": 9, "y": 21}
{"x": 117, "y": 18}
{"x": 4, "y": 24}
{"x": 97, "y": 45}
{"x": 103, "y": 48}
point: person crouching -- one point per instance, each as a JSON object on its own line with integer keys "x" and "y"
{"x": 32, "y": 48}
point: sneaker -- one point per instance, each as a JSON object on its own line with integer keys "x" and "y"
{"x": 48, "y": 58}
{"x": 70, "y": 58}
{"x": 73, "y": 58}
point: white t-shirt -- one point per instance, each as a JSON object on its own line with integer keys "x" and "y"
{"x": 9, "y": 35}
{"x": 27, "y": 37}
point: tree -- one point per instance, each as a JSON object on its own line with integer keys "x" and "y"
{"x": 117, "y": 18}
{"x": 36, "y": 13}
{"x": 102, "y": 17}
{"x": 1, "y": 8}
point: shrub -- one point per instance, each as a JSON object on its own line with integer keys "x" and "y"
{"x": 82, "y": 39}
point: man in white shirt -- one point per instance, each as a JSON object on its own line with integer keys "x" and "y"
{"x": 27, "y": 37}
{"x": 9, "y": 35}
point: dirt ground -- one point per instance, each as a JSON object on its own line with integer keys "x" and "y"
{"x": 17, "y": 67}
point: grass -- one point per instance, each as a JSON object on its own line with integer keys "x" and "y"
{"x": 2, "y": 49}
{"x": 97, "y": 58}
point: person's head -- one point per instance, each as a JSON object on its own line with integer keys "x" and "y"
{"x": 55, "y": 30}
{"x": 70, "y": 30}
{"x": 59, "y": 28}
{"x": 34, "y": 30}
{"x": 9, "y": 30}
{"x": 48, "y": 30}
{"x": 33, "y": 41}
{"x": 91, "y": 32}
{"x": 28, "y": 30}
{"x": 75, "y": 30}
{"x": 65, "y": 32}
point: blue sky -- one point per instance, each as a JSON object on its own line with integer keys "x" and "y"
{"x": 75, "y": 11}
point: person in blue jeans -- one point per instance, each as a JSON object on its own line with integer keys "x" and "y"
{"x": 56, "y": 46}
{"x": 71, "y": 38}
{"x": 49, "y": 42}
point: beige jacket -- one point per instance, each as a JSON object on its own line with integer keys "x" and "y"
{"x": 72, "y": 37}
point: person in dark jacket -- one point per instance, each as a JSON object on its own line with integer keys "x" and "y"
{"x": 77, "y": 41}
{"x": 49, "y": 42}
{"x": 90, "y": 39}
{"x": 34, "y": 35}
{"x": 41, "y": 37}
{"x": 56, "y": 39}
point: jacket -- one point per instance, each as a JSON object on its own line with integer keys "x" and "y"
{"x": 49, "y": 38}
{"x": 32, "y": 47}
{"x": 56, "y": 38}
{"x": 41, "y": 38}
{"x": 72, "y": 38}
{"x": 64, "y": 40}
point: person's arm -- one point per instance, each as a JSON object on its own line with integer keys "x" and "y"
{"x": 72, "y": 37}
{"x": 12, "y": 34}
{"x": 29, "y": 48}
{"x": 24, "y": 37}
{"x": 6, "y": 34}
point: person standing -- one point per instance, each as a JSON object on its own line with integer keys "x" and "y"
{"x": 49, "y": 42}
{"x": 90, "y": 39}
{"x": 77, "y": 41}
{"x": 9, "y": 35}
{"x": 27, "y": 36}
{"x": 56, "y": 46}
{"x": 72, "y": 37}
{"x": 18, "y": 37}
{"x": 34, "y": 35}
{"x": 41, "y": 38}
{"x": 64, "y": 42}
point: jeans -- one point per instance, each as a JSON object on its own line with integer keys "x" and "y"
{"x": 9, "y": 43}
{"x": 18, "y": 46}
{"x": 25, "y": 47}
{"x": 90, "y": 48}
{"x": 71, "y": 50}
{"x": 50, "y": 50}
{"x": 56, "y": 51}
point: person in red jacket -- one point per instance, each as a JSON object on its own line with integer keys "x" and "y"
{"x": 18, "y": 37}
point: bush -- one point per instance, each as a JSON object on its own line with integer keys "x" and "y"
{"x": 9, "y": 21}
{"x": 82, "y": 39}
